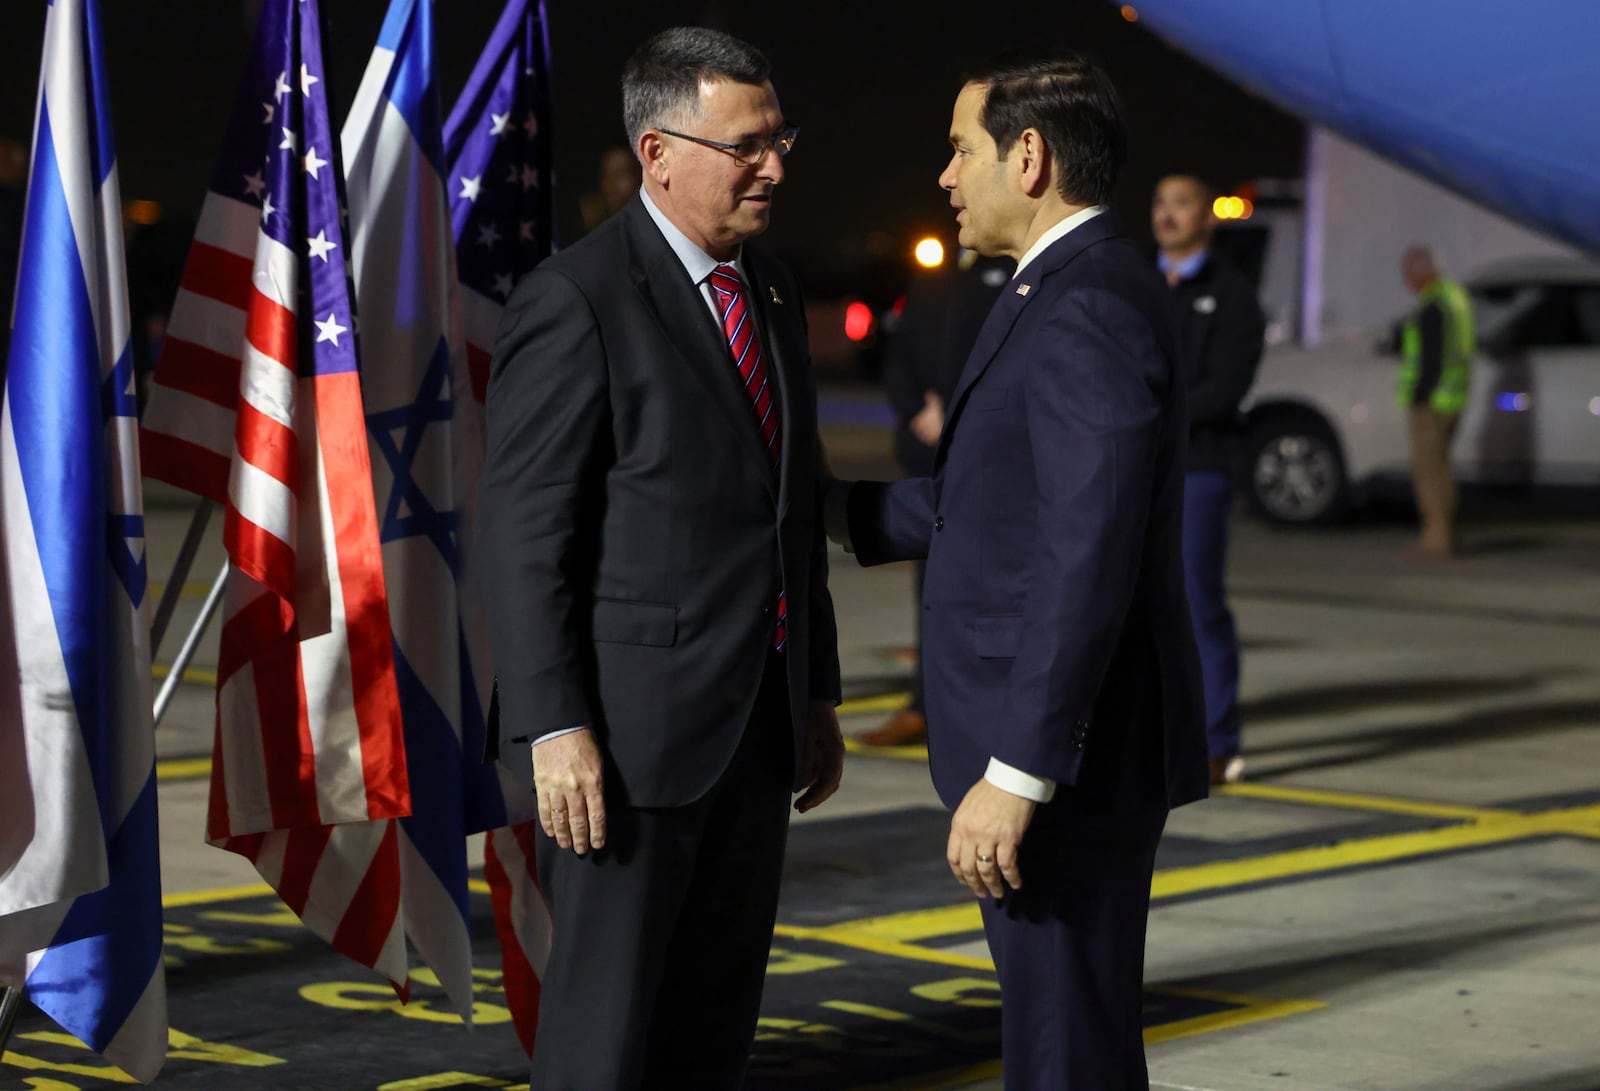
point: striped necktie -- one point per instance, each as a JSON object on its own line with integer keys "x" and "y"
{"x": 745, "y": 344}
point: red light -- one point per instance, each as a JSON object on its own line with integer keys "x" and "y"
{"x": 899, "y": 306}
{"x": 858, "y": 321}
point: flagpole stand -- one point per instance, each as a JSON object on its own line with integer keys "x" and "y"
{"x": 10, "y": 1007}
{"x": 191, "y": 643}
{"x": 180, "y": 573}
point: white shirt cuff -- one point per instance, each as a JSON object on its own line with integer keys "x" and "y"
{"x": 555, "y": 735}
{"x": 1009, "y": 778}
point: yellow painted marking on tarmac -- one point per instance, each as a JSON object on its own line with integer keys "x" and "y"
{"x": 191, "y": 590}
{"x": 442, "y": 1080}
{"x": 1386, "y": 804}
{"x": 919, "y": 924}
{"x": 899, "y": 934}
{"x": 904, "y": 753}
{"x": 478, "y": 886}
{"x": 1248, "y": 1009}
{"x": 183, "y": 768}
{"x": 882, "y": 702}
{"x": 220, "y": 894}
{"x": 1493, "y": 828}
{"x": 942, "y": 1081}
{"x": 198, "y": 676}
{"x": 186, "y": 1047}
{"x": 109, "y": 1073}
{"x": 846, "y": 936}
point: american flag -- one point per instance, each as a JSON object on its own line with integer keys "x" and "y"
{"x": 256, "y": 404}
{"x": 497, "y": 151}
{"x": 80, "y": 875}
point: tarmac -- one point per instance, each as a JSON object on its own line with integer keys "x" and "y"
{"x": 1403, "y": 894}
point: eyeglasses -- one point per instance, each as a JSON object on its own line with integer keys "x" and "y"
{"x": 750, "y": 151}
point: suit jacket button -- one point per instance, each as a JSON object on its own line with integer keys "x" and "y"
{"x": 938, "y": 522}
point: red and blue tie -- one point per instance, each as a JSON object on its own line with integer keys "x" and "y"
{"x": 745, "y": 344}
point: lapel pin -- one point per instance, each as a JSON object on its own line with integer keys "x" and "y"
{"x": 1022, "y": 289}
{"x": 776, "y": 298}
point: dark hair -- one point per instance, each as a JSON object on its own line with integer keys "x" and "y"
{"x": 1208, "y": 192}
{"x": 661, "y": 81}
{"x": 1073, "y": 106}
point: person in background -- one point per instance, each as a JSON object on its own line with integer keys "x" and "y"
{"x": 940, "y": 321}
{"x": 616, "y": 181}
{"x": 13, "y": 196}
{"x": 1220, "y": 329}
{"x": 1436, "y": 345}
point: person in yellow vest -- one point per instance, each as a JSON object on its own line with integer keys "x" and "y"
{"x": 1436, "y": 343}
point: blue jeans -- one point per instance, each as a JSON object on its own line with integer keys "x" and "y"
{"x": 1207, "y": 499}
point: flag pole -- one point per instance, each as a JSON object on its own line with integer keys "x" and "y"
{"x": 10, "y": 1006}
{"x": 169, "y": 685}
{"x": 180, "y": 573}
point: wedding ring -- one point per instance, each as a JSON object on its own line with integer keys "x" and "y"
{"x": 986, "y": 859}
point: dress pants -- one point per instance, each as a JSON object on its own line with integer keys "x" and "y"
{"x": 1433, "y": 481}
{"x": 1207, "y": 503}
{"x": 1069, "y": 951}
{"x": 660, "y": 940}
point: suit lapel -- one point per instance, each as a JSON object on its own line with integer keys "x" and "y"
{"x": 1013, "y": 298}
{"x": 689, "y": 329}
{"x": 773, "y": 327}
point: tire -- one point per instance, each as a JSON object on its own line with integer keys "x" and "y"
{"x": 1294, "y": 474}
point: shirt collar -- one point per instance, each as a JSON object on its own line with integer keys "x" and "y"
{"x": 696, "y": 262}
{"x": 1056, "y": 233}
{"x": 1186, "y": 268}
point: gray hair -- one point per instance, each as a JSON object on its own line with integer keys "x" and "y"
{"x": 661, "y": 81}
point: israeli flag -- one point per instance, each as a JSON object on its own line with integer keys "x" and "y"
{"x": 413, "y": 384}
{"x": 80, "y": 886}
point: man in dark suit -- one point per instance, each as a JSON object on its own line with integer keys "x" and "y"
{"x": 941, "y": 319}
{"x": 1220, "y": 329}
{"x": 1064, "y": 708}
{"x": 656, "y": 581}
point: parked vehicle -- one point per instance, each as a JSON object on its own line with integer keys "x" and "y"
{"x": 1324, "y": 427}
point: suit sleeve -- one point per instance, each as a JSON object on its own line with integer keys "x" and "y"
{"x": 547, "y": 417}
{"x": 825, "y": 683}
{"x": 883, "y": 522}
{"x": 1097, "y": 397}
{"x": 1232, "y": 358}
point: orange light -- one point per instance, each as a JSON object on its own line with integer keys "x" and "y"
{"x": 930, "y": 253}
{"x": 1232, "y": 208}
{"x": 144, "y": 212}
{"x": 1130, "y": 13}
{"x": 858, "y": 321}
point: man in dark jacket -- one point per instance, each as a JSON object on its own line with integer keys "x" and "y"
{"x": 1220, "y": 329}
{"x": 656, "y": 585}
{"x": 942, "y": 316}
{"x": 1064, "y": 698}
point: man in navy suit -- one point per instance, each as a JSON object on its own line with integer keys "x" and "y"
{"x": 1064, "y": 703}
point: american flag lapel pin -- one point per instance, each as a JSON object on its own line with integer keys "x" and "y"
{"x": 776, "y": 298}
{"x": 1022, "y": 289}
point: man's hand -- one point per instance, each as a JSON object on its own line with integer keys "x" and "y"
{"x": 568, "y": 775}
{"x": 929, "y": 421}
{"x": 984, "y": 837}
{"x": 823, "y": 757}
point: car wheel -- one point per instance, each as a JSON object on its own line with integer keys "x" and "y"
{"x": 1295, "y": 472}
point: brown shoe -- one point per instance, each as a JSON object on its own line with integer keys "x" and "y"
{"x": 905, "y": 728}
{"x": 1226, "y": 769}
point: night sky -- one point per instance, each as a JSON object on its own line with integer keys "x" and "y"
{"x": 870, "y": 85}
